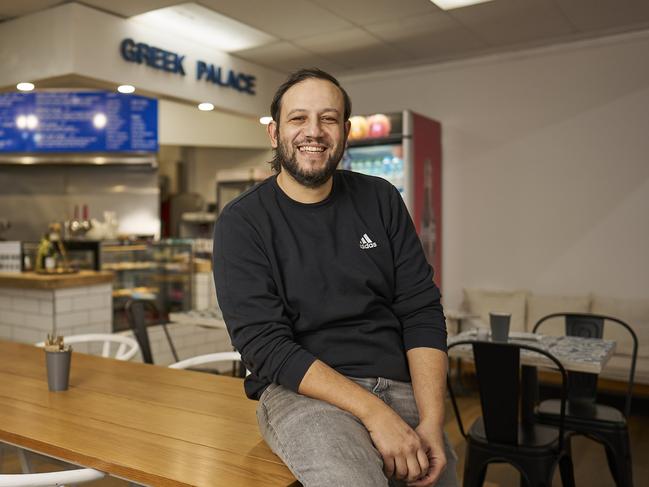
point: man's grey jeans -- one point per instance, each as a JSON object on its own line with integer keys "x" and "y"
{"x": 325, "y": 446}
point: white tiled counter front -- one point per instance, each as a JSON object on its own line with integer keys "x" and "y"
{"x": 203, "y": 291}
{"x": 27, "y": 315}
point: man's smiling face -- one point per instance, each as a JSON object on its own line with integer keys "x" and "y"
{"x": 312, "y": 131}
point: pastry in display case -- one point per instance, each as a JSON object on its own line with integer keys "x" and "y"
{"x": 160, "y": 271}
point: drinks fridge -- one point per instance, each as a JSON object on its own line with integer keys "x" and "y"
{"x": 405, "y": 149}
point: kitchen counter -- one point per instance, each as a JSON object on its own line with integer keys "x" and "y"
{"x": 32, "y": 280}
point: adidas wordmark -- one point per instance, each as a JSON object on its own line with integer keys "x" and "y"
{"x": 366, "y": 242}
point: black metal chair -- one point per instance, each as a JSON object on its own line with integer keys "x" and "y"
{"x": 604, "y": 424}
{"x": 498, "y": 436}
{"x": 136, "y": 314}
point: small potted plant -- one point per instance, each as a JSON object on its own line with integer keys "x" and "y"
{"x": 57, "y": 359}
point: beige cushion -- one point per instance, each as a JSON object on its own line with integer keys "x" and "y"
{"x": 482, "y": 302}
{"x": 617, "y": 368}
{"x": 635, "y": 313}
{"x": 540, "y": 306}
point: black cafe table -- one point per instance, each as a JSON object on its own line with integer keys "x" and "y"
{"x": 576, "y": 354}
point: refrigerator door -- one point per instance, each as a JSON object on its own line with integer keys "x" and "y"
{"x": 385, "y": 161}
{"x": 381, "y": 145}
{"x": 426, "y": 183}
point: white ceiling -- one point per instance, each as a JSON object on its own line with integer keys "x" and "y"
{"x": 346, "y": 36}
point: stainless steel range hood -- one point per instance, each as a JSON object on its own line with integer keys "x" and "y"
{"x": 90, "y": 159}
{"x": 31, "y": 196}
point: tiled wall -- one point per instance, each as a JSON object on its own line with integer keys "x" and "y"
{"x": 204, "y": 294}
{"x": 28, "y": 315}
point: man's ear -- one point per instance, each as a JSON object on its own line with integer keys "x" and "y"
{"x": 348, "y": 127}
{"x": 271, "y": 128}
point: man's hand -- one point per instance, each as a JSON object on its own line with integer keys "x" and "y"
{"x": 428, "y": 372}
{"x": 406, "y": 453}
{"x": 403, "y": 450}
{"x": 432, "y": 440}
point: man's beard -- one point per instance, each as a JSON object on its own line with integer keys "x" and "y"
{"x": 310, "y": 179}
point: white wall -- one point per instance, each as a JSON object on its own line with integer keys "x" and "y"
{"x": 26, "y": 57}
{"x": 545, "y": 164}
{"x": 205, "y": 162}
{"x": 183, "y": 124}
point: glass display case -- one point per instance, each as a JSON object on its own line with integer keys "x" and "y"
{"x": 161, "y": 271}
{"x": 157, "y": 270}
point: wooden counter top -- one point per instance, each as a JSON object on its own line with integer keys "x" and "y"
{"x": 31, "y": 280}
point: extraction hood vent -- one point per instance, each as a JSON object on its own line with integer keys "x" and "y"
{"x": 89, "y": 159}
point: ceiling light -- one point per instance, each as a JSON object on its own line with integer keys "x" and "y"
{"x": 25, "y": 86}
{"x": 265, "y": 120}
{"x": 126, "y": 88}
{"x": 204, "y": 26}
{"x": 451, "y": 4}
{"x": 205, "y": 107}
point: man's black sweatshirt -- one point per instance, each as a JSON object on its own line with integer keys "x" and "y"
{"x": 344, "y": 280}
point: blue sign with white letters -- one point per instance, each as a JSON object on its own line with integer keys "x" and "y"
{"x": 86, "y": 121}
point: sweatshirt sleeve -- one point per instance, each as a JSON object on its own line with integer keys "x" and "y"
{"x": 252, "y": 309}
{"x": 417, "y": 298}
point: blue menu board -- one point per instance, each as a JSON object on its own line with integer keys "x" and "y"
{"x": 87, "y": 121}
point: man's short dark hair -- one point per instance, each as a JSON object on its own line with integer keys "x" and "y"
{"x": 292, "y": 80}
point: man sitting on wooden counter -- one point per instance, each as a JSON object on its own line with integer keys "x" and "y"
{"x": 326, "y": 293}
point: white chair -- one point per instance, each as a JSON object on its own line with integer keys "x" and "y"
{"x": 51, "y": 479}
{"x": 128, "y": 347}
{"x": 208, "y": 358}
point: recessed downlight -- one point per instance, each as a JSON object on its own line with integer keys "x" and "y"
{"x": 25, "y": 86}
{"x": 205, "y": 106}
{"x": 126, "y": 88}
{"x": 265, "y": 120}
